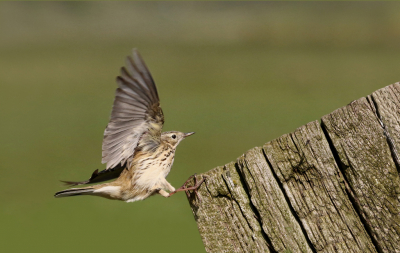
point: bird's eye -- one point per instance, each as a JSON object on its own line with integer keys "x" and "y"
{"x": 173, "y": 136}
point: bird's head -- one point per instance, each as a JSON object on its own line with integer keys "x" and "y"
{"x": 174, "y": 137}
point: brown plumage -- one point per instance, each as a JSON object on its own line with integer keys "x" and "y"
{"x": 135, "y": 150}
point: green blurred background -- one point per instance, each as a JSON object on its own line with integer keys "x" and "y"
{"x": 238, "y": 74}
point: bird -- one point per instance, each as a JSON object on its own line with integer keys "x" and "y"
{"x": 137, "y": 154}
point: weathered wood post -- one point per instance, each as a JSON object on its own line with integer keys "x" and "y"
{"x": 332, "y": 186}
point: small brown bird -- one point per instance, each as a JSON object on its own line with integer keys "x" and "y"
{"x": 135, "y": 150}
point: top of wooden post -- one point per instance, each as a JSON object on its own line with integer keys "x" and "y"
{"x": 332, "y": 186}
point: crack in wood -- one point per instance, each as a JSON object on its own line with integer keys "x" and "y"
{"x": 390, "y": 141}
{"x": 289, "y": 204}
{"x": 254, "y": 209}
{"x": 347, "y": 188}
{"x": 369, "y": 174}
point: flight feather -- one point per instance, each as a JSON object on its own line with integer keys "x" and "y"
{"x": 136, "y": 115}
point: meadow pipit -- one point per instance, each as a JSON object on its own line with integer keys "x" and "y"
{"x": 135, "y": 150}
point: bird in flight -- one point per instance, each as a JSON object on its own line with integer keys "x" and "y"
{"x": 136, "y": 151}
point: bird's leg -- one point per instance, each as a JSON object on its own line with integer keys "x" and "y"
{"x": 183, "y": 187}
{"x": 163, "y": 193}
{"x": 169, "y": 186}
{"x": 194, "y": 188}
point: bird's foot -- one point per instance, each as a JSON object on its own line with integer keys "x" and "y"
{"x": 191, "y": 188}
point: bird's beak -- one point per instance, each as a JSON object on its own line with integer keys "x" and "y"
{"x": 188, "y": 134}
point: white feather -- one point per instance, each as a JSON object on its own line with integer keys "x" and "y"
{"x": 109, "y": 190}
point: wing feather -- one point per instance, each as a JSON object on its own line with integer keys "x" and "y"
{"x": 127, "y": 87}
{"x": 136, "y": 113}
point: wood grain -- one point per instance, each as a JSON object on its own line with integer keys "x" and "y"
{"x": 365, "y": 158}
{"x": 278, "y": 221}
{"x": 224, "y": 215}
{"x": 305, "y": 166}
{"x": 387, "y": 104}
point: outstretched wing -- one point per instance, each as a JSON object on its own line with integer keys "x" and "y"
{"x": 136, "y": 113}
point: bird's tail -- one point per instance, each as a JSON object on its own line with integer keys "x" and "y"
{"x": 74, "y": 192}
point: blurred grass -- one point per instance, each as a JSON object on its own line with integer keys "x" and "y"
{"x": 239, "y": 74}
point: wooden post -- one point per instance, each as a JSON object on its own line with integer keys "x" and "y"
{"x": 332, "y": 186}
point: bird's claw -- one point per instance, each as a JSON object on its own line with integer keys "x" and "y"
{"x": 193, "y": 188}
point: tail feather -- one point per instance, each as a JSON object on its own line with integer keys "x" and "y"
{"x": 74, "y": 192}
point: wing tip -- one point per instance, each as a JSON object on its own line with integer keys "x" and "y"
{"x": 72, "y": 183}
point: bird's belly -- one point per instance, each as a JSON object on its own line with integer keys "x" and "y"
{"x": 152, "y": 173}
